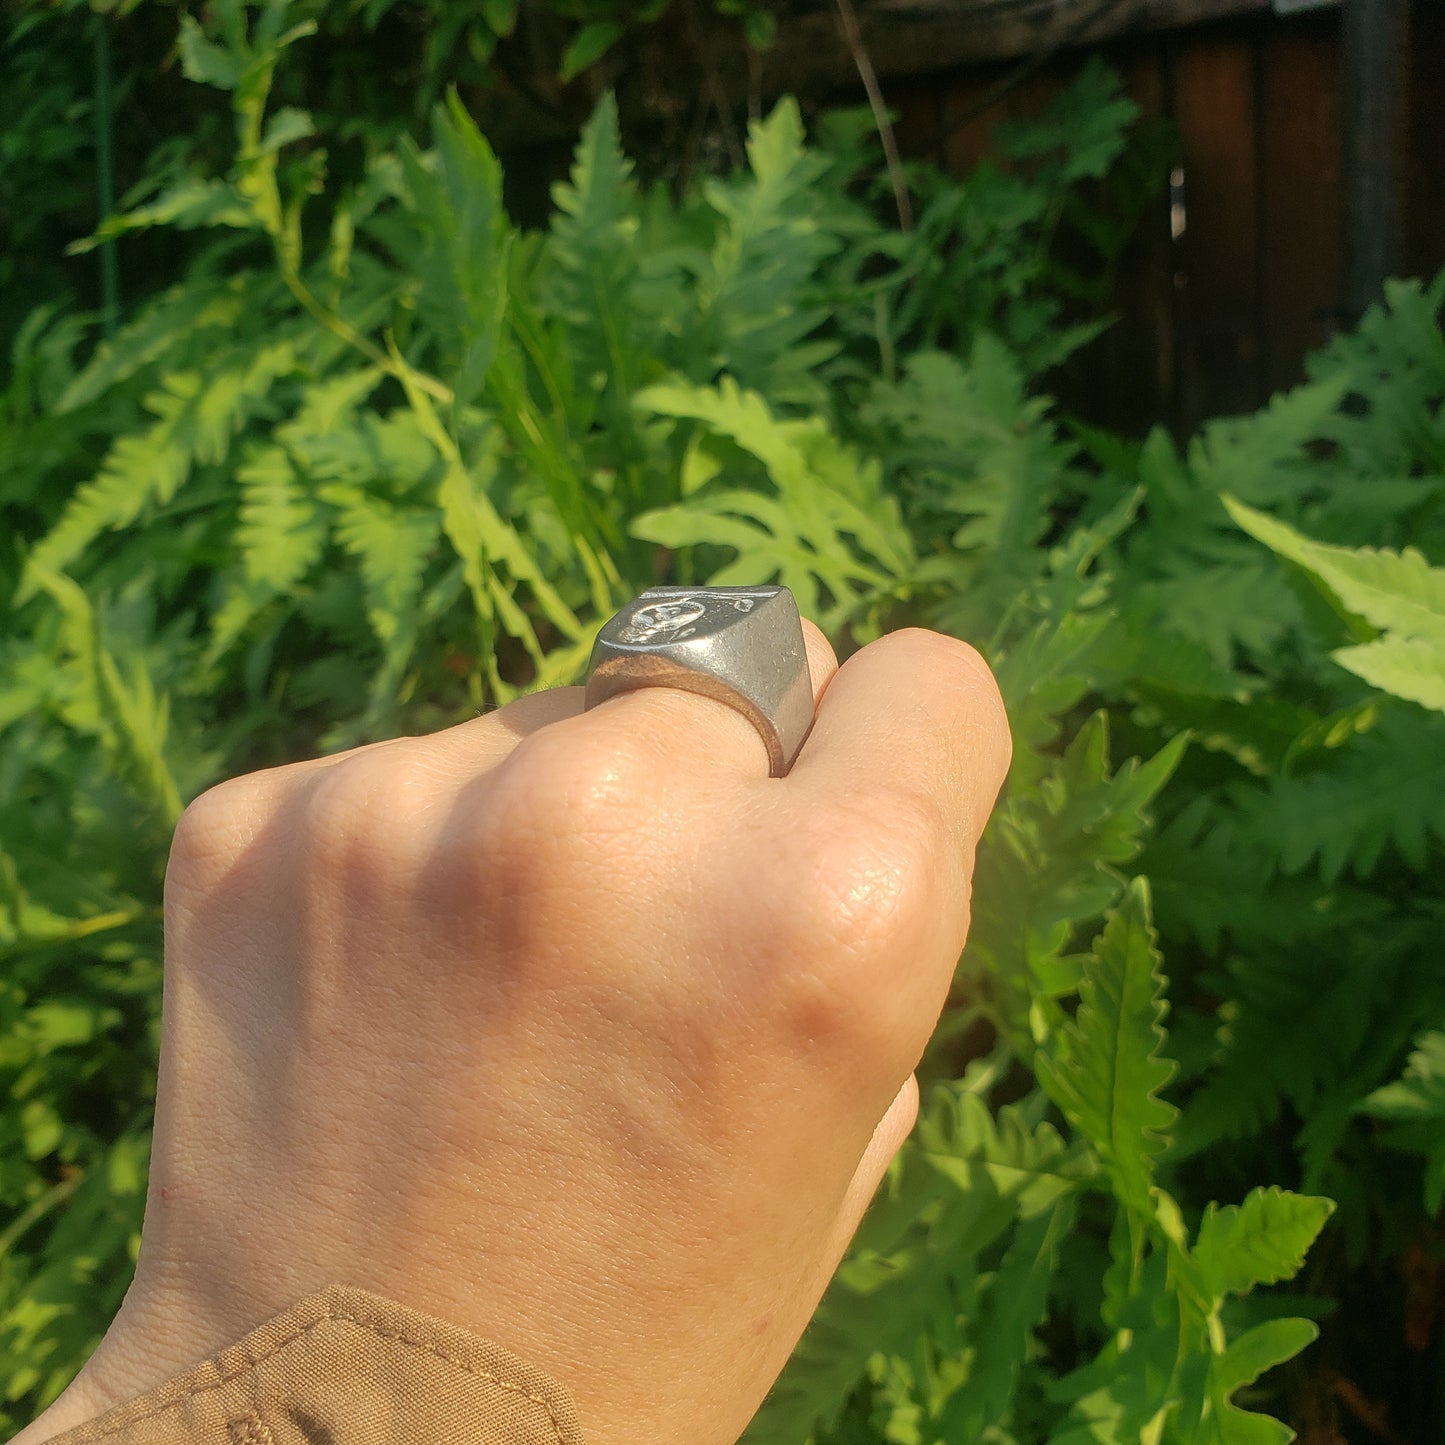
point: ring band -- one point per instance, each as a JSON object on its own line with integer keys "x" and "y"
{"x": 742, "y": 646}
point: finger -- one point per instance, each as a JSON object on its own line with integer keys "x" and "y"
{"x": 894, "y": 1127}
{"x": 480, "y": 743}
{"x": 915, "y": 713}
{"x": 822, "y": 661}
{"x": 685, "y": 729}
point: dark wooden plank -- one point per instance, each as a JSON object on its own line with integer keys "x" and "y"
{"x": 1302, "y": 236}
{"x": 1216, "y": 252}
{"x": 1424, "y": 169}
{"x": 1125, "y": 380}
{"x": 917, "y": 105}
{"x": 1372, "y": 42}
{"x": 907, "y": 37}
{"x": 969, "y": 118}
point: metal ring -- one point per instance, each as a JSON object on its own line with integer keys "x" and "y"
{"x": 742, "y": 646}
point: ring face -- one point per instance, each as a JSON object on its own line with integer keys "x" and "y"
{"x": 742, "y": 646}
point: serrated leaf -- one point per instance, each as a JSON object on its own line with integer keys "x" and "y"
{"x": 1105, "y": 1068}
{"x": 197, "y": 416}
{"x": 1242, "y": 1363}
{"x": 392, "y": 545}
{"x": 1001, "y": 1332}
{"x": 597, "y": 259}
{"x": 960, "y": 1183}
{"x": 192, "y": 204}
{"x": 280, "y": 532}
{"x": 461, "y": 261}
{"x": 1396, "y": 592}
{"x": 1262, "y": 1241}
{"x": 125, "y": 711}
{"x": 1409, "y": 667}
{"x": 830, "y": 527}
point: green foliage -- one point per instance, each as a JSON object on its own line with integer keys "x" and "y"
{"x": 1397, "y": 592}
{"x": 379, "y": 459}
{"x": 1104, "y": 1070}
{"x": 1416, "y": 1106}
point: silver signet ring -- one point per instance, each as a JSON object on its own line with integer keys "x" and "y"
{"x": 742, "y": 646}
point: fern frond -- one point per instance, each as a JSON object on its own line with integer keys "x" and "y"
{"x": 1415, "y": 1105}
{"x": 1105, "y": 1068}
{"x": 281, "y": 531}
{"x": 392, "y": 545}
{"x": 595, "y": 256}
{"x": 197, "y": 415}
{"x": 832, "y": 534}
{"x": 125, "y": 712}
{"x": 756, "y": 294}
{"x": 961, "y": 1184}
{"x": 1397, "y": 592}
{"x": 1384, "y": 787}
{"x": 1262, "y": 1241}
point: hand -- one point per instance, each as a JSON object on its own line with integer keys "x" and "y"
{"x": 575, "y": 1029}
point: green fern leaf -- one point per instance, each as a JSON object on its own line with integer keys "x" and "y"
{"x": 163, "y": 329}
{"x": 194, "y": 203}
{"x": 1397, "y": 592}
{"x": 1000, "y": 1331}
{"x": 969, "y": 445}
{"x": 281, "y": 531}
{"x": 392, "y": 545}
{"x": 124, "y": 711}
{"x": 756, "y": 294}
{"x": 461, "y": 261}
{"x": 197, "y": 418}
{"x": 138, "y": 470}
{"x": 831, "y": 529}
{"x": 1241, "y": 1364}
{"x": 1416, "y": 1105}
{"x": 1105, "y": 1069}
{"x": 617, "y": 318}
{"x": 1262, "y": 1241}
{"x": 1385, "y": 786}
{"x": 961, "y": 1182}
{"x": 280, "y": 535}
{"x": 484, "y": 542}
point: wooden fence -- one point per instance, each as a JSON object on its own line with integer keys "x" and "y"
{"x": 1218, "y": 309}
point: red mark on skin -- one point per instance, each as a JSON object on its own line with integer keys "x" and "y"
{"x": 165, "y": 1193}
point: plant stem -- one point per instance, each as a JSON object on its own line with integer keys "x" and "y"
{"x": 854, "y": 38}
{"x": 53, "y": 1198}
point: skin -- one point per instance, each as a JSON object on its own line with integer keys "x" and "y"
{"x": 575, "y": 1029}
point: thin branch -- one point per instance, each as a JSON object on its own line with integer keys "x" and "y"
{"x": 51, "y": 1200}
{"x": 344, "y": 331}
{"x": 848, "y": 18}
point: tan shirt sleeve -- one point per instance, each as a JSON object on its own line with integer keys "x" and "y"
{"x": 345, "y": 1367}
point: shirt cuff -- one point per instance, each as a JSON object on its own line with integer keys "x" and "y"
{"x": 346, "y": 1367}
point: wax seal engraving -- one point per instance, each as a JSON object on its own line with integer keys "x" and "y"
{"x": 663, "y": 621}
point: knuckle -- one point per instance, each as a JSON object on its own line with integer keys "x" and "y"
{"x": 214, "y": 831}
{"x": 554, "y": 822}
{"x": 861, "y": 901}
{"x": 877, "y": 862}
{"x": 553, "y": 796}
{"x": 365, "y": 815}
